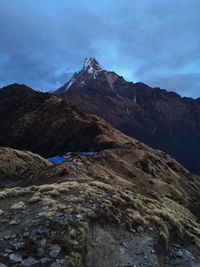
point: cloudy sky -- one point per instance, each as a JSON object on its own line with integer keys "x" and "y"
{"x": 42, "y": 42}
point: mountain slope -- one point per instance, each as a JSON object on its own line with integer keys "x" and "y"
{"x": 161, "y": 119}
{"x": 103, "y": 204}
{"x": 20, "y": 168}
{"x": 127, "y": 201}
{"x": 48, "y": 125}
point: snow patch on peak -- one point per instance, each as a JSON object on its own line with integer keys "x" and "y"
{"x": 91, "y": 62}
{"x": 88, "y": 62}
{"x": 90, "y": 70}
{"x": 92, "y": 67}
{"x": 69, "y": 84}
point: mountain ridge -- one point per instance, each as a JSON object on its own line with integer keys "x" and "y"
{"x": 161, "y": 119}
{"x": 48, "y": 125}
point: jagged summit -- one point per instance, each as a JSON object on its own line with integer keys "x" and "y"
{"x": 140, "y": 111}
{"x": 90, "y": 71}
{"x": 91, "y": 65}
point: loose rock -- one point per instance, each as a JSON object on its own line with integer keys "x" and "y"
{"x": 18, "y": 245}
{"x": 29, "y": 262}
{"x": 13, "y": 222}
{"x": 140, "y": 229}
{"x": 15, "y": 258}
{"x": 55, "y": 251}
{"x": 179, "y": 253}
{"x": 45, "y": 260}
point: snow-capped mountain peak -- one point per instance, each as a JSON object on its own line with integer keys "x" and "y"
{"x": 91, "y": 62}
{"x": 91, "y": 69}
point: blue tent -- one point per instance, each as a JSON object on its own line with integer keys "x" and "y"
{"x": 88, "y": 153}
{"x": 56, "y": 159}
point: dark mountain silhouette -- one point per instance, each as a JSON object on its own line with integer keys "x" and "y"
{"x": 46, "y": 124}
{"x": 161, "y": 119}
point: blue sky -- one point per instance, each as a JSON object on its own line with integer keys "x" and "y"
{"x": 42, "y": 42}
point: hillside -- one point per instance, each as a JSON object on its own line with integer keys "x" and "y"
{"x": 20, "y": 168}
{"x": 48, "y": 125}
{"x": 163, "y": 120}
{"x": 127, "y": 205}
{"x": 122, "y": 207}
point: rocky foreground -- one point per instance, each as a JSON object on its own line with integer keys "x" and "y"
{"x": 122, "y": 207}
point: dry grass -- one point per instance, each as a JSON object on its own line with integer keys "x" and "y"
{"x": 18, "y": 206}
{"x": 109, "y": 203}
{"x": 72, "y": 237}
{"x": 123, "y": 197}
{"x": 103, "y": 203}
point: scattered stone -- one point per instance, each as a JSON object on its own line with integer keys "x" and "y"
{"x": 2, "y": 212}
{"x": 140, "y": 229}
{"x": 13, "y": 236}
{"x": 132, "y": 230}
{"x": 39, "y": 231}
{"x": 55, "y": 264}
{"x": 2, "y": 265}
{"x": 179, "y": 253}
{"x": 176, "y": 246}
{"x": 58, "y": 264}
{"x": 6, "y": 237}
{"x": 26, "y": 234}
{"x": 58, "y": 215}
{"x": 13, "y": 222}
{"x": 55, "y": 251}
{"x": 45, "y": 260}
{"x": 8, "y": 250}
{"x": 18, "y": 245}
{"x": 41, "y": 252}
{"x": 43, "y": 242}
{"x": 15, "y": 258}
{"x": 79, "y": 216}
{"x": 72, "y": 233}
{"x": 29, "y": 262}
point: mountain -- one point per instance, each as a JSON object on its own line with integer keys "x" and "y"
{"x": 48, "y": 125}
{"x": 161, "y": 119}
{"x": 127, "y": 205}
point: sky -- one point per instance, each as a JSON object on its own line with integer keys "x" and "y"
{"x": 43, "y": 42}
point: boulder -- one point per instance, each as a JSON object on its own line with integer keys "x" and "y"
{"x": 15, "y": 258}
{"x": 55, "y": 251}
{"x": 29, "y": 262}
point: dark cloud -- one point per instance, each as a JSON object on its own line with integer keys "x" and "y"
{"x": 158, "y": 42}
